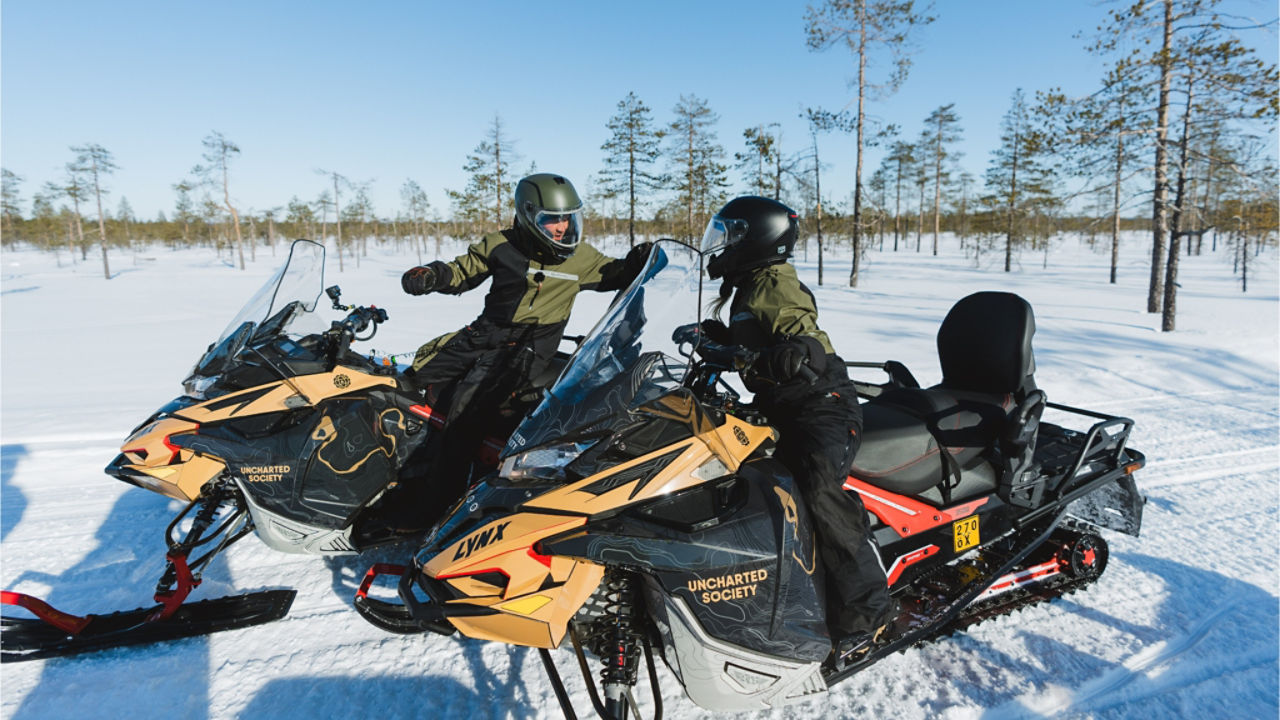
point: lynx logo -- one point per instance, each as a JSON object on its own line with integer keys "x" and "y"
{"x": 742, "y": 437}
{"x": 341, "y": 381}
{"x": 480, "y": 540}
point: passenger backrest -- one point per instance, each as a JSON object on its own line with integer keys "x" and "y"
{"x": 984, "y": 345}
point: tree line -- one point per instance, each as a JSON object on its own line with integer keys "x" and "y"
{"x": 1173, "y": 141}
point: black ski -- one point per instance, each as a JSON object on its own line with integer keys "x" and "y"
{"x": 34, "y": 639}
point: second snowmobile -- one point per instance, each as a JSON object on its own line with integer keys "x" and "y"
{"x": 639, "y": 507}
{"x": 283, "y": 430}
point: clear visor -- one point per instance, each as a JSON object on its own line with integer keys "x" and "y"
{"x": 722, "y": 232}
{"x": 563, "y": 229}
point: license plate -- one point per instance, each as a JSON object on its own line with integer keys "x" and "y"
{"x": 965, "y": 533}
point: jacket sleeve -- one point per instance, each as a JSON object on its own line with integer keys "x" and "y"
{"x": 606, "y": 273}
{"x": 465, "y": 271}
{"x": 789, "y": 316}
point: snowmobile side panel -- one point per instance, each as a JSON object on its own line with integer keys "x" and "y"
{"x": 724, "y": 676}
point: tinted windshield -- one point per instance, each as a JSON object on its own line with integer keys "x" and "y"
{"x": 286, "y": 303}
{"x": 628, "y": 358}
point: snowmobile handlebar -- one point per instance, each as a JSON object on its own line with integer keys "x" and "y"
{"x": 342, "y": 332}
{"x": 736, "y": 358}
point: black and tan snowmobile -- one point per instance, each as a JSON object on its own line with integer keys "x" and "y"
{"x": 639, "y": 506}
{"x": 283, "y": 431}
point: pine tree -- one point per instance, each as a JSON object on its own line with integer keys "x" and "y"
{"x": 821, "y": 121}
{"x": 96, "y": 161}
{"x": 416, "y": 207}
{"x": 9, "y": 182}
{"x": 633, "y": 148}
{"x": 943, "y": 126}
{"x": 218, "y": 153}
{"x": 695, "y": 156}
{"x": 489, "y": 173}
{"x": 865, "y": 27}
{"x": 184, "y": 208}
{"x": 1017, "y": 176}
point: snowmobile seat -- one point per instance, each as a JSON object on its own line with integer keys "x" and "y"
{"x": 984, "y": 412}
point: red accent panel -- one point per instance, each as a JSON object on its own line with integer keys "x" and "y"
{"x": 480, "y": 571}
{"x": 909, "y": 559}
{"x": 375, "y": 571}
{"x": 424, "y": 411}
{"x": 544, "y": 559}
{"x": 66, "y": 622}
{"x": 906, "y": 515}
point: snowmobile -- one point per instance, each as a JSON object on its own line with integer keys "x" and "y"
{"x": 284, "y": 431}
{"x": 639, "y": 506}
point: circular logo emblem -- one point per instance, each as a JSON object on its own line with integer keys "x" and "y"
{"x": 742, "y": 437}
{"x": 341, "y": 381}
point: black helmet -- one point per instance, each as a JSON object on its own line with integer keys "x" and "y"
{"x": 549, "y": 212}
{"x": 753, "y": 232}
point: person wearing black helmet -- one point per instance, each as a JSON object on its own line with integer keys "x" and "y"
{"x": 802, "y": 386}
{"x": 537, "y": 267}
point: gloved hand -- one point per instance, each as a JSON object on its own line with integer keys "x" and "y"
{"x": 783, "y": 361}
{"x": 636, "y": 258}
{"x": 418, "y": 280}
{"x": 690, "y": 333}
{"x": 693, "y": 333}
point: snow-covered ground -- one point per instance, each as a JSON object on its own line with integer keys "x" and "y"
{"x": 1184, "y": 622}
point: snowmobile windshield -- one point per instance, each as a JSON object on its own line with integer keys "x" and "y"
{"x": 628, "y": 359}
{"x": 285, "y": 304}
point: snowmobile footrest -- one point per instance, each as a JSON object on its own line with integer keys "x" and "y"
{"x": 34, "y": 639}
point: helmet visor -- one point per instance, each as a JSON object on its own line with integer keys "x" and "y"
{"x": 723, "y": 232}
{"x": 562, "y": 229}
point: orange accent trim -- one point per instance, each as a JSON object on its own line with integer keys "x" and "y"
{"x": 908, "y": 516}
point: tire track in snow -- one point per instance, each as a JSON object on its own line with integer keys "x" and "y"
{"x": 1098, "y": 692}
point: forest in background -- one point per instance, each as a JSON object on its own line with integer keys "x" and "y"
{"x": 1177, "y": 140}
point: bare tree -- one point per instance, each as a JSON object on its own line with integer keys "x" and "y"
{"x": 339, "y": 181}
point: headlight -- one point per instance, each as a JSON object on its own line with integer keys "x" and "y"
{"x": 195, "y": 386}
{"x": 544, "y": 463}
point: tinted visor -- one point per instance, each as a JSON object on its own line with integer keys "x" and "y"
{"x": 562, "y": 229}
{"x": 723, "y": 232}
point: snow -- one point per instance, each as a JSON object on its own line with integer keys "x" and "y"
{"x": 1184, "y": 622}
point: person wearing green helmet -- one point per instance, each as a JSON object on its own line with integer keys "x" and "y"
{"x": 537, "y": 267}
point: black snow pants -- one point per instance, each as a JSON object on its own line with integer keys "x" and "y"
{"x": 472, "y": 376}
{"x": 819, "y": 438}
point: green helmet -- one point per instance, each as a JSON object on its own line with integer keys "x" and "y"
{"x": 549, "y": 211}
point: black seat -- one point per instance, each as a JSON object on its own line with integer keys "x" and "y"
{"x": 984, "y": 347}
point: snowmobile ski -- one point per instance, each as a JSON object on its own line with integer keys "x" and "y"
{"x": 58, "y": 634}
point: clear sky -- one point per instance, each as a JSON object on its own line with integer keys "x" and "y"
{"x": 386, "y": 91}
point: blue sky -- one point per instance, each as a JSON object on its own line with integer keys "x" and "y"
{"x": 387, "y": 91}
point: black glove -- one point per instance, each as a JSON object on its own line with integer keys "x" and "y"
{"x": 716, "y": 331}
{"x": 690, "y": 333}
{"x": 636, "y": 258}
{"x": 693, "y": 333}
{"x": 418, "y": 280}
{"x": 782, "y": 362}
